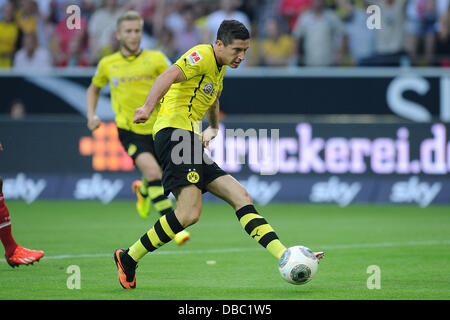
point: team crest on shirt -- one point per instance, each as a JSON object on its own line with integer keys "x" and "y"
{"x": 208, "y": 88}
{"x": 192, "y": 176}
{"x": 194, "y": 57}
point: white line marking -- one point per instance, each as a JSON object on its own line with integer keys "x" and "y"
{"x": 2, "y": 225}
{"x": 232, "y": 250}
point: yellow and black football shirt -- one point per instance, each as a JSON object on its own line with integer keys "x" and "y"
{"x": 130, "y": 79}
{"x": 186, "y": 102}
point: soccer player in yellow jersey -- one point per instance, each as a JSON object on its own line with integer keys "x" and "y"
{"x": 191, "y": 88}
{"x": 131, "y": 72}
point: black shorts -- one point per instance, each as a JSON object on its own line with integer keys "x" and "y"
{"x": 183, "y": 160}
{"x": 135, "y": 144}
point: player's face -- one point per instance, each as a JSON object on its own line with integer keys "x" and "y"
{"x": 129, "y": 35}
{"x": 233, "y": 54}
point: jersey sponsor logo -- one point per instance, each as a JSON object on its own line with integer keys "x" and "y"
{"x": 208, "y": 88}
{"x": 194, "y": 57}
{"x": 193, "y": 176}
{"x": 115, "y": 81}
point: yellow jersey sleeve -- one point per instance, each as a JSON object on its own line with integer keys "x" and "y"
{"x": 192, "y": 63}
{"x": 100, "y": 78}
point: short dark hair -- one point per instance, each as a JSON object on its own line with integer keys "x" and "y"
{"x": 230, "y": 30}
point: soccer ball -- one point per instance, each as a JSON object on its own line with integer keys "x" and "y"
{"x": 298, "y": 265}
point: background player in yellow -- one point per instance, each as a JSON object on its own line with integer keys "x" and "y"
{"x": 130, "y": 73}
{"x": 191, "y": 88}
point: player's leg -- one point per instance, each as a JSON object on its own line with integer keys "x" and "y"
{"x": 189, "y": 203}
{"x": 5, "y": 226}
{"x": 189, "y": 206}
{"x": 230, "y": 190}
{"x": 151, "y": 187}
{"x": 15, "y": 254}
{"x": 188, "y": 197}
{"x": 141, "y": 149}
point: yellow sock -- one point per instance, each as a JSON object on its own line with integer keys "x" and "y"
{"x": 162, "y": 232}
{"x": 258, "y": 228}
{"x": 158, "y": 198}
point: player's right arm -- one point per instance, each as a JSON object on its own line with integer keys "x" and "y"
{"x": 92, "y": 94}
{"x": 157, "y": 92}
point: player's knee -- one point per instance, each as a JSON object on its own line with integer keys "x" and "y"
{"x": 243, "y": 199}
{"x": 193, "y": 219}
{"x": 195, "y": 213}
{"x": 247, "y": 197}
{"x": 190, "y": 220}
{"x": 189, "y": 216}
{"x": 152, "y": 174}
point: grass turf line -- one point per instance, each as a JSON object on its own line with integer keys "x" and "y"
{"x": 411, "y": 266}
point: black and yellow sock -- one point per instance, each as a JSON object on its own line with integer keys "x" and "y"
{"x": 158, "y": 198}
{"x": 143, "y": 188}
{"x": 258, "y": 228}
{"x": 162, "y": 232}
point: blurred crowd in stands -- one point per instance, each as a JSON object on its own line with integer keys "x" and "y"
{"x": 35, "y": 34}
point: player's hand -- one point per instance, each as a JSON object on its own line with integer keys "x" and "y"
{"x": 94, "y": 123}
{"x": 209, "y": 134}
{"x": 1, "y": 147}
{"x": 141, "y": 115}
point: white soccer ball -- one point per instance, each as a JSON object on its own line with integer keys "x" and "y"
{"x": 298, "y": 265}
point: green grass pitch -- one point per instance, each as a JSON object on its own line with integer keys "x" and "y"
{"x": 410, "y": 246}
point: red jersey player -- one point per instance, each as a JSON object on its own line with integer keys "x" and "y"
{"x": 15, "y": 254}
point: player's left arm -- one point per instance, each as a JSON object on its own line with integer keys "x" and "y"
{"x": 99, "y": 80}
{"x": 213, "y": 119}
